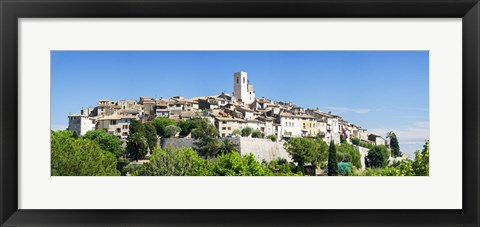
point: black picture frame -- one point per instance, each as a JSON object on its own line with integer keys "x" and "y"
{"x": 12, "y": 10}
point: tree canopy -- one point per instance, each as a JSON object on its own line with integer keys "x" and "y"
{"x": 207, "y": 143}
{"x": 106, "y": 141}
{"x": 80, "y": 157}
{"x": 378, "y": 156}
{"x": 394, "y": 145}
{"x": 332, "y": 160}
{"x": 160, "y": 123}
{"x": 306, "y": 150}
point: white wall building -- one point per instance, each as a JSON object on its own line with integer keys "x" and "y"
{"x": 80, "y": 124}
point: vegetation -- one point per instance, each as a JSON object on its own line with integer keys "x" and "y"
{"x": 151, "y": 136}
{"x": 306, "y": 150}
{"x": 355, "y": 141}
{"x": 394, "y": 145}
{"x": 137, "y": 146}
{"x": 347, "y": 153}
{"x": 378, "y": 156}
{"x": 273, "y": 138}
{"x": 227, "y": 146}
{"x": 207, "y": 143}
{"x": 171, "y": 131}
{"x": 160, "y": 123}
{"x": 246, "y": 131}
{"x": 106, "y": 141}
{"x": 332, "y": 160}
{"x": 257, "y": 134}
{"x": 189, "y": 125}
{"x": 231, "y": 164}
{"x": 237, "y": 132}
{"x": 73, "y": 156}
{"x": 418, "y": 167}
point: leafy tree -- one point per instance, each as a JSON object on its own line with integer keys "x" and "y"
{"x": 281, "y": 167}
{"x": 303, "y": 150}
{"x": 137, "y": 145}
{"x": 232, "y": 164}
{"x": 378, "y": 156}
{"x": 160, "y": 123}
{"x": 79, "y": 157}
{"x": 356, "y": 141}
{"x": 246, "y": 131}
{"x": 421, "y": 164}
{"x": 257, "y": 134}
{"x": 136, "y": 127}
{"x": 171, "y": 131}
{"x": 272, "y": 137}
{"x": 332, "y": 160}
{"x": 237, "y": 132}
{"x": 347, "y": 153}
{"x": 106, "y": 141}
{"x": 174, "y": 162}
{"x": 207, "y": 143}
{"x": 342, "y": 138}
{"x": 151, "y": 136}
{"x": 394, "y": 145}
{"x": 189, "y": 125}
{"x": 227, "y": 146}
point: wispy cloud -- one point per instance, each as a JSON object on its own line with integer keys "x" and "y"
{"x": 340, "y": 110}
{"x": 414, "y": 133}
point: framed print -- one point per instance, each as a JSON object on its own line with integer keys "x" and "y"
{"x": 239, "y": 113}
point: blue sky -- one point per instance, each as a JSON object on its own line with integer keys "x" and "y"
{"x": 378, "y": 90}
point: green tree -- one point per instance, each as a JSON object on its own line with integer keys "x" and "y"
{"x": 272, "y": 137}
{"x": 332, "y": 160}
{"x": 151, "y": 136}
{"x": 356, "y": 141}
{"x": 257, "y": 134}
{"x": 106, "y": 141}
{"x": 232, "y": 164}
{"x": 160, "y": 123}
{"x": 207, "y": 143}
{"x": 342, "y": 138}
{"x": 306, "y": 150}
{"x": 171, "y": 131}
{"x": 246, "y": 131}
{"x": 136, "y": 127}
{"x": 137, "y": 146}
{"x": 421, "y": 163}
{"x": 281, "y": 167}
{"x": 79, "y": 157}
{"x": 347, "y": 153}
{"x": 237, "y": 132}
{"x": 394, "y": 145}
{"x": 189, "y": 125}
{"x": 378, "y": 156}
{"x": 174, "y": 162}
{"x": 227, "y": 146}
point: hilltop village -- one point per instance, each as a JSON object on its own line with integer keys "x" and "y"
{"x": 227, "y": 112}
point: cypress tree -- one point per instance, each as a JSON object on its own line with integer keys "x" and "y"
{"x": 332, "y": 160}
{"x": 394, "y": 146}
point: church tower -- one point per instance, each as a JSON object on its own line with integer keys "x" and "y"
{"x": 242, "y": 89}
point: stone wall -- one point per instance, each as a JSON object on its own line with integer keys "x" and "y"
{"x": 262, "y": 149}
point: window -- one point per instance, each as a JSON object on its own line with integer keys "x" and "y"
{"x": 113, "y": 122}
{"x": 118, "y": 130}
{"x": 223, "y": 128}
{"x": 238, "y": 81}
{"x": 303, "y": 125}
{"x": 224, "y": 122}
{"x": 229, "y": 128}
{"x": 243, "y": 79}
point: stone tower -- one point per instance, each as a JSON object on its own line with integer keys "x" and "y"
{"x": 242, "y": 89}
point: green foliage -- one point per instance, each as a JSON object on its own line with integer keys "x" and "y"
{"x": 378, "y": 156}
{"x": 137, "y": 146}
{"x": 306, "y": 150}
{"x": 246, "y": 131}
{"x": 189, "y": 125}
{"x": 79, "y": 157}
{"x": 171, "y": 130}
{"x": 207, "y": 143}
{"x": 394, "y": 145}
{"x": 160, "y": 123}
{"x": 174, "y": 162}
{"x": 227, "y": 146}
{"x": 356, "y": 141}
{"x": 106, "y": 141}
{"x": 231, "y": 164}
{"x": 332, "y": 160}
{"x": 136, "y": 127}
{"x": 237, "y": 132}
{"x": 257, "y": 134}
{"x": 347, "y": 153}
{"x": 281, "y": 167}
{"x": 342, "y": 138}
{"x": 365, "y": 144}
{"x": 272, "y": 137}
{"x": 421, "y": 164}
{"x": 151, "y": 136}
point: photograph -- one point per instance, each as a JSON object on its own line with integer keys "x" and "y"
{"x": 239, "y": 113}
